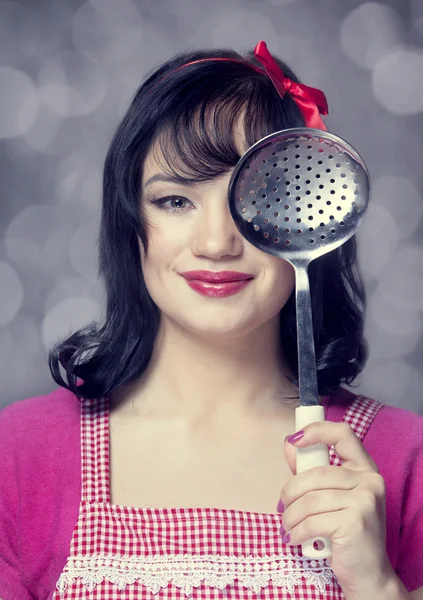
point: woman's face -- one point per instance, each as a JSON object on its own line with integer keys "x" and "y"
{"x": 193, "y": 231}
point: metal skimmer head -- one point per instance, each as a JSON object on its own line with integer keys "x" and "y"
{"x": 299, "y": 193}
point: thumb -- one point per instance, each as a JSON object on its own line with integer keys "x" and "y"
{"x": 291, "y": 456}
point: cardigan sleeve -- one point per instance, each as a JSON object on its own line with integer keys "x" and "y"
{"x": 12, "y": 586}
{"x": 410, "y": 556}
{"x": 40, "y": 488}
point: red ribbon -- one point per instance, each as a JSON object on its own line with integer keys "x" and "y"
{"x": 310, "y": 100}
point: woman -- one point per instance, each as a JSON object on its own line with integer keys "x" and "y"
{"x": 160, "y": 464}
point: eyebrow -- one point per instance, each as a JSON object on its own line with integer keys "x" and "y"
{"x": 171, "y": 179}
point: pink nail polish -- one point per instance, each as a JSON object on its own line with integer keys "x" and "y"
{"x": 280, "y": 507}
{"x": 286, "y": 539}
{"x": 295, "y": 437}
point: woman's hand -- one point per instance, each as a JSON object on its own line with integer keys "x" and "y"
{"x": 345, "y": 503}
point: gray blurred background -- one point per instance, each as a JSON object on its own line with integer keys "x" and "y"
{"x": 68, "y": 71}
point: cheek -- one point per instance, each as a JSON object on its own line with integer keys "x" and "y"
{"x": 282, "y": 276}
{"x": 156, "y": 258}
{"x": 282, "y": 284}
{"x": 286, "y": 276}
{"x": 152, "y": 264}
{"x": 165, "y": 246}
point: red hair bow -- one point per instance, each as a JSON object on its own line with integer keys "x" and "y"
{"x": 310, "y": 100}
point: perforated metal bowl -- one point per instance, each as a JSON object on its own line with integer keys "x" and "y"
{"x": 299, "y": 190}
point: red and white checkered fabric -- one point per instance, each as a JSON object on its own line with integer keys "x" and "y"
{"x": 121, "y": 552}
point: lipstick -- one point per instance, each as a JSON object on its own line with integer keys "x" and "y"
{"x": 217, "y": 284}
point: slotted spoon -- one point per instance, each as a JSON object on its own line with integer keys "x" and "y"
{"x": 298, "y": 194}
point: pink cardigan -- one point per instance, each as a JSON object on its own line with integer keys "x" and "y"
{"x": 40, "y": 485}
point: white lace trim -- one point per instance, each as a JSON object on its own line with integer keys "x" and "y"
{"x": 189, "y": 570}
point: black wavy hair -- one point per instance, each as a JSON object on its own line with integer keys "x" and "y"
{"x": 191, "y": 113}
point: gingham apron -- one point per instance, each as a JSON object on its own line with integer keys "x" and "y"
{"x": 121, "y": 552}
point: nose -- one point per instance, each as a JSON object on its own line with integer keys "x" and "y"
{"x": 216, "y": 235}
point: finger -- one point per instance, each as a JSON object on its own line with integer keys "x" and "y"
{"x": 291, "y": 456}
{"x": 315, "y": 503}
{"x": 346, "y": 443}
{"x": 316, "y": 526}
{"x": 321, "y": 478}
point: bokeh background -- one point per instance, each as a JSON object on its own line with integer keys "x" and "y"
{"x": 68, "y": 71}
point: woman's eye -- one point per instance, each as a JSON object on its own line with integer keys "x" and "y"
{"x": 172, "y": 204}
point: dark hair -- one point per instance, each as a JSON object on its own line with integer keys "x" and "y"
{"x": 187, "y": 111}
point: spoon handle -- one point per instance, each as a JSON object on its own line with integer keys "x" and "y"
{"x": 307, "y": 458}
{"x": 309, "y": 410}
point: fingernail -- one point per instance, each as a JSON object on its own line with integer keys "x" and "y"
{"x": 280, "y": 507}
{"x": 295, "y": 437}
{"x": 282, "y": 530}
{"x": 286, "y": 539}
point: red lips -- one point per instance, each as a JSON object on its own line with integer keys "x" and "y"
{"x": 219, "y": 277}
